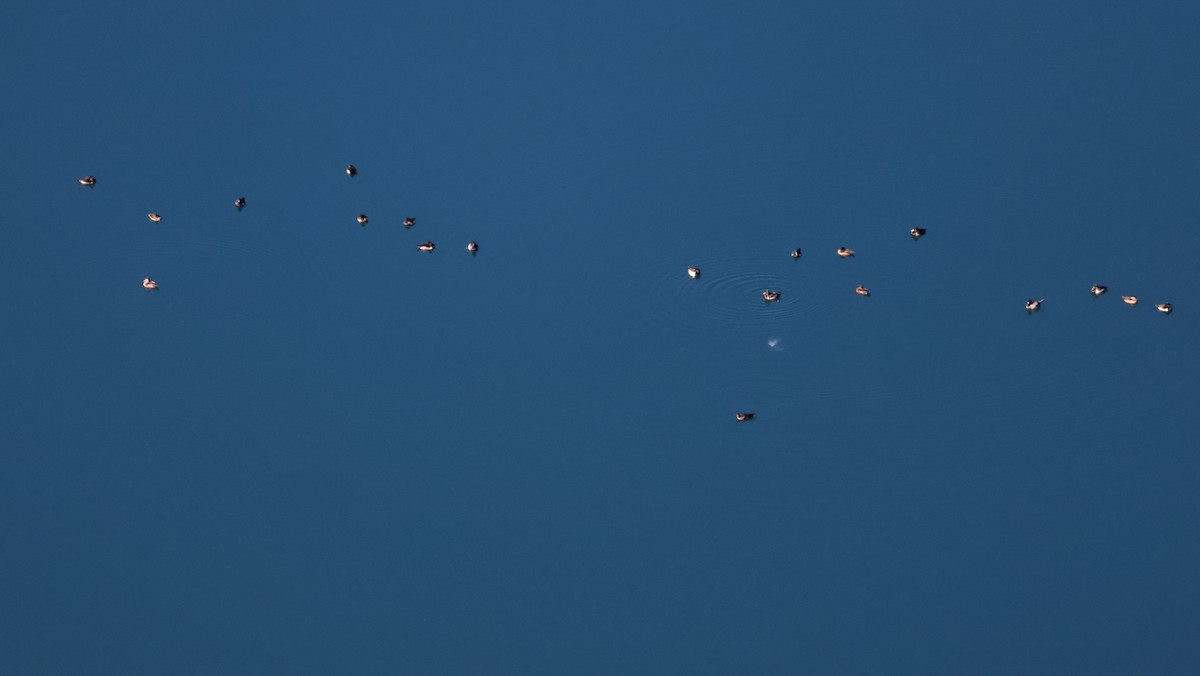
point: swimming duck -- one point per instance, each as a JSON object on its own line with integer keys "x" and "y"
{"x": 472, "y": 246}
{"x": 1164, "y": 308}
{"x": 1129, "y": 300}
{"x": 917, "y": 233}
{"x": 694, "y": 273}
{"x": 1033, "y": 305}
{"x": 410, "y": 222}
{"x": 351, "y": 170}
{"x": 1098, "y": 290}
{"x": 425, "y": 246}
{"x": 796, "y": 254}
{"x": 239, "y": 203}
{"x": 770, "y": 295}
{"x": 845, "y": 253}
{"x": 149, "y": 284}
{"x": 862, "y": 290}
{"x": 154, "y": 217}
{"x": 89, "y": 181}
{"x": 362, "y": 219}
{"x": 743, "y": 417}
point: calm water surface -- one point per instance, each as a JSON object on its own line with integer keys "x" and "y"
{"x": 318, "y": 450}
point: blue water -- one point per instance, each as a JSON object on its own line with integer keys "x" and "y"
{"x": 316, "y": 449}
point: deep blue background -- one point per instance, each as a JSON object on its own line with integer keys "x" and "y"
{"x": 318, "y": 450}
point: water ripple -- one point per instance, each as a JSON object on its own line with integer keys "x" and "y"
{"x": 728, "y": 296}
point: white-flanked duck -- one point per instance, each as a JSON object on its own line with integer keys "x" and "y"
{"x": 426, "y": 246}
{"x": 1129, "y": 300}
{"x": 770, "y": 295}
{"x": 917, "y": 233}
{"x": 1164, "y": 308}
{"x": 362, "y": 219}
{"x": 473, "y": 247}
{"x": 797, "y": 253}
{"x": 862, "y": 290}
{"x": 1098, "y": 290}
{"x": 351, "y": 171}
{"x": 845, "y": 253}
{"x": 149, "y": 284}
{"x": 1033, "y": 305}
{"x": 89, "y": 181}
{"x": 239, "y": 203}
{"x": 154, "y": 217}
{"x": 409, "y": 222}
{"x": 694, "y": 273}
{"x": 743, "y": 417}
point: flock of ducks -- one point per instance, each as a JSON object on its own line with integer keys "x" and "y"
{"x": 1097, "y": 291}
{"x": 769, "y": 295}
{"x": 240, "y": 203}
{"x": 1032, "y": 306}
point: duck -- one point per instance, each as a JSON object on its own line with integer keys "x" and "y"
{"x": 351, "y": 171}
{"x": 154, "y": 217}
{"x": 797, "y": 253}
{"x": 239, "y": 203}
{"x": 917, "y": 233}
{"x": 743, "y": 417}
{"x": 694, "y": 273}
{"x": 472, "y": 246}
{"x": 1129, "y": 300}
{"x": 1033, "y": 305}
{"x": 362, "y": 219}
{"x": 149, "y": 284}
{"x": 1164, "y": 308}
{"x": 409, "y": 222}
{"x": 89, "y": 181}
{"x": 426, "y": 246}
{"x": 1098, "y": 290}
{"x": 770, "y": 295}
{"x": 862, "y": 290}
{"x": 845, "y": 253}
